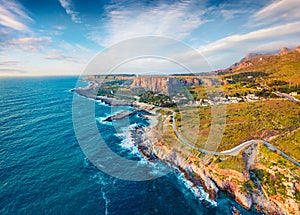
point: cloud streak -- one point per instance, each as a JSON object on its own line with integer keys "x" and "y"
{"x": 31, "y": 44}
{"x": 69, "y": 8}
{"x": 177, "y": 20}
{"x": 222, "y": 53}
{"x": 13, "y": 16}
{"x": 60, "y": 57}
{"x": 255, "y": 38}
{"x": 277, "y": 12}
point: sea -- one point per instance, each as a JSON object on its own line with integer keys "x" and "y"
{"x": 43, "y": 169}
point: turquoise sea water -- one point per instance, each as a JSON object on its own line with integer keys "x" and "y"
{"x": 44, "y": 171}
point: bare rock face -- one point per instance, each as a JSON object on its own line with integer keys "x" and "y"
{"x": 283, "y": 51}
{"x": 163, "y": 84}
{"x": 244, "y": 200}
{"x": 152, "y": 83}
{"x": 254, "y": 59}
{"x": 214, "y": 179}
{"x": 270, "y": 207}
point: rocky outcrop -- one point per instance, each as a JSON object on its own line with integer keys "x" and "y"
{"x": 254, "y": 59}
{"x": 163, "y": 84}
{"x": 297, "y": 49}
{"x": 85, "y": 92}
{"x": 213, "y": 178}
{"x": 119, "y": 116}
{"x": 283, "y": 51}
{"x": 152, "y": 83}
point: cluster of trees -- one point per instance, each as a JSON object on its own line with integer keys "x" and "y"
{"x": 265, "y": 94}
{"x": 157, "y": 99}
{"x": 289, "y": 89}
{"x": 247, "y": 76}
{"x": 109, "y": 92}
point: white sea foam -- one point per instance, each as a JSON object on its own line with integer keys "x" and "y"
{"x": 107, "y": 201}
{"x": 128, "y": 140}
{"x": 198, "y": 191}
{"x": 105, "y": 184}
{"x": 101, "y": 103}
{"x": 101, "y": 120}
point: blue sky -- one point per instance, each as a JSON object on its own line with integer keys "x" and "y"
{"x": 59, "y": 37}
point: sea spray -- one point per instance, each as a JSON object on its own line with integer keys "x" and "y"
{"x": 198, "y": 191}
{"x": 128, "y": 141}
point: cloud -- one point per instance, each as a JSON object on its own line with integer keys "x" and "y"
{"x": 4, "y": 33}
{"x": 222, "y": 53}
{"x": 31, "y": 44}
{"x": 53, "y": 31}
{"x": 13, "y": 15}
{"x": 177, "y": 20}
{"x": 8, "y": 71}
{"x": 252, "y": 40}
{"x": 59, "y": 27}
{"x": 56, "y": 55}
{"x": 229, "y": 11}
{"x": 150, "y": 54}
{"x": 69, "y": 8}
{"x": 278, "y": 12}
{"x": 9, "y": 63}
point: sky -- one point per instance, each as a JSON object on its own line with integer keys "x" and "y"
{"x": 61, "y": 37}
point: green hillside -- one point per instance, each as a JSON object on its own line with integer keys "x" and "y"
{"x": 284, "y": 66}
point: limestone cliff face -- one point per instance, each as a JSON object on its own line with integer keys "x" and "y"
{"x": 213, "y": 178}
{"x": 163, "y": 84}
{"x": 153, "y": 83}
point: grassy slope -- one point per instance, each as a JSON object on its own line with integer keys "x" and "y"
{"x": 285, "y": 67}
{"x": 244, "y": 121}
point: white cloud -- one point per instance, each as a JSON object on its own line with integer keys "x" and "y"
{"x": 150, "y": 54}
{"x": 69, "y": 7}
{"x": 4, "y": 32}
{"x": 13, "y": 15}
{"x": 222, "y": 53}
{"x": 59, "y": 56}
{"x": 279, "y": 11}
{"x": 251, "y": 40}
{"x": 32, "y": 44}
{"x": 176, "y": 20}
{"x": 9, "y": 63}
{"x": 16, "y": 63}
{"x": 229, "y": 11}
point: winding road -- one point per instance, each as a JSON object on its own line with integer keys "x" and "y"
{"x": 284, "y": 95}
{"x": 234, "y": 151}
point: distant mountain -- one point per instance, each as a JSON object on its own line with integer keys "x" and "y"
{"x": 283, "y": 65}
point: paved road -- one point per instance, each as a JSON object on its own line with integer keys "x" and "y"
{"x": 284, "y": 95}
{"x": 234, "y": 151}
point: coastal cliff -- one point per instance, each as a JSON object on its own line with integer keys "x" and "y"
{"x": 202, "y": 171}
{"x": 164, "y": 84}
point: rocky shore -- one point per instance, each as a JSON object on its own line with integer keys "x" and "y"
{"x": 199, "y": 171}
{"x": 119, "y": 116}
{"x": 109, "y": 101}
{"x": 209, "y": 176}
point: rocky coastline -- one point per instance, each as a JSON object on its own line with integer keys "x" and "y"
{"x": 106, "y": 100}
{"x": 119, "y": 116}
{"x": 208, "y": 176}
{"x": 211, "y": 178}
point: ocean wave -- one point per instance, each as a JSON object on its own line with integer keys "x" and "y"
{"x": 101, "y": 120}
{"x": 156, "y": 168}
{"x": 105, "y": 184}
{"x": 101, "y": 103}
{"x": 128, "y": 141}
{"x": 198, "y": 191}
{"x": 106, "y": 199}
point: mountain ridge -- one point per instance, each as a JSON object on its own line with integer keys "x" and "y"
{"x": 282, "y": 65}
